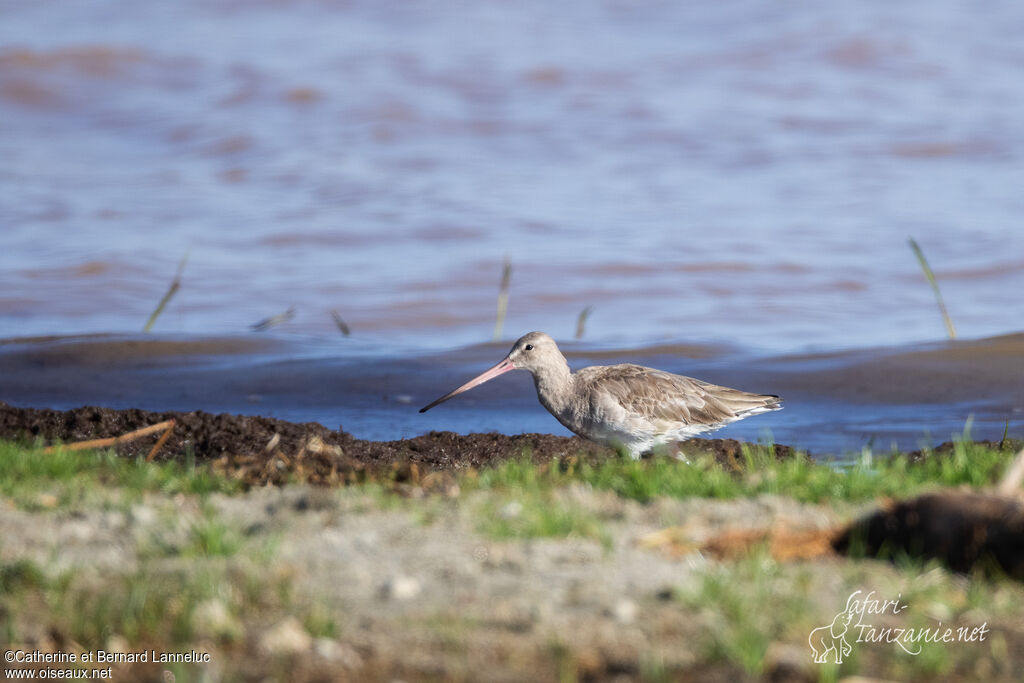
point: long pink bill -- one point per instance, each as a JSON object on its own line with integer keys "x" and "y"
{"x": 499, "y": 369}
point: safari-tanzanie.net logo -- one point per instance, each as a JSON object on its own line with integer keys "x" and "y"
{"x": 858, "y": 623}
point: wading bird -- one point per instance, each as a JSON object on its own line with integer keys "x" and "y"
{"x": 627, "y": 405}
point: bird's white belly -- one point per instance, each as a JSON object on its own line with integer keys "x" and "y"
{"x": 635, "y": 434}
{"x": 641, "y": 441}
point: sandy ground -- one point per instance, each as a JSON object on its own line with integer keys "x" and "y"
{"x": 430, "y": 599}
{"x": 355, "y": 583}
{"x": 414, "y": 591}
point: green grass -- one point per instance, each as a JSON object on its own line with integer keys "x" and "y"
{"x": 211, "y": 536}
{"x": 153, "y": 603}
{"x": 799, "y": 478}
{"x": 743, "y": 606}
{"x": 20, "y": 574}
{"x": 538, "y": 514}
{"x": 747, "y": 606}
{"x": 157, "y": 601}
{"x": 320, "y": 622}
{"x": 930, "y": 276}
{"x": 34, "y": 479}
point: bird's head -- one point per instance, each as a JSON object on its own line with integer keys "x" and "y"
{"x": 531, "y": 352}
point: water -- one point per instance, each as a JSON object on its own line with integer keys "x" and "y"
{"x": 836, "y": 402}
{"x": 733, "y": 174}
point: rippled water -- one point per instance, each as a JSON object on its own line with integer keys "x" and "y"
{"x": 735, "y": 171}
{"x": 737, "y": 174}
{"x": 836, "y": 402}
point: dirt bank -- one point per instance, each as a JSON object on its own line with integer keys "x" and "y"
{"x": 268, "y": 448}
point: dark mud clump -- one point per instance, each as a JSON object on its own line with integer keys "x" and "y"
{"x": 267, "y": 449}
{"x": 948, "y": 448}
{"x": 965, "y": 531}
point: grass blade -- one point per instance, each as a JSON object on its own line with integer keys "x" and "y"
{"x": 935, "y": 287}
{"x": 345, "y": 331}
{"x": 274, "y": 320}
{"x": 581, "y": 321}
{"x": 506, "y": 277}
{"x": 171, "y": 291}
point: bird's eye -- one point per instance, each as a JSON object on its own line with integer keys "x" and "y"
{"x": 528, "y": 347}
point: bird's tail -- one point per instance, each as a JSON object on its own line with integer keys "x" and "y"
{"x": 755, "y": 404}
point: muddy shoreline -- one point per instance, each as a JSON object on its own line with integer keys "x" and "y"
{"x": 835, "y": 402}
{"x": 261, "y": 450}
{"x": 324, "y": 455}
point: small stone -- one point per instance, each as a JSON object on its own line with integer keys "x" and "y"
{"x": 401, "y": 588}
{"x": 286, "y": 638}
{"x": 665, "y": 593}
{"x": 117, "y": 643}
{"x": 318, "y": 499}
{"x": 511, "y": 510}
{"x": 81, "y": 531}
{"x": 212, "y": 618}
{"x": 341, "y": 653}
{"x": 625, "y": 611}
{"x": 143, "y": 514}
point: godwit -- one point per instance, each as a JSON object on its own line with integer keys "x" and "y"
{"x": 626, "y": 405}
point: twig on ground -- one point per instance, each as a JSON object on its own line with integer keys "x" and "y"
{"x": 160, "y": 442}
{"x": 165, "y": 426}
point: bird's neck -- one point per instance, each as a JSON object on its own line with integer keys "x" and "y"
{"x": 554, "y": 385}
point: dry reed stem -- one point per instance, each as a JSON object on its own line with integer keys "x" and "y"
{"x": 274, "y": 320}
{"x": 506, "y": 278}
{"x": 935, "y": 287}
{"x": 166, "y": 426}
{"x": 581, "y": 321}
{"x": 171, "y": 291}
{"x": 160, "y": 442}
{"x": 342, "y": 327}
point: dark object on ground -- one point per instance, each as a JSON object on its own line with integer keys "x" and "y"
{"x": 965, "y": 531}
{"x": 948, "y": 448}
{"x": 238, "y": 439}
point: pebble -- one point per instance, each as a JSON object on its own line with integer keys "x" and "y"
{"x": 212, "y": 618}
{"x": 118, "y": 643}
{"x": 143, "y": 514}
{"x": 401, "y": 588}
{"x": 511, "y": 510}
{"x": 287, "y": 637}
{"x": 335, "y": 651}
{"x": 624, "y": 611}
